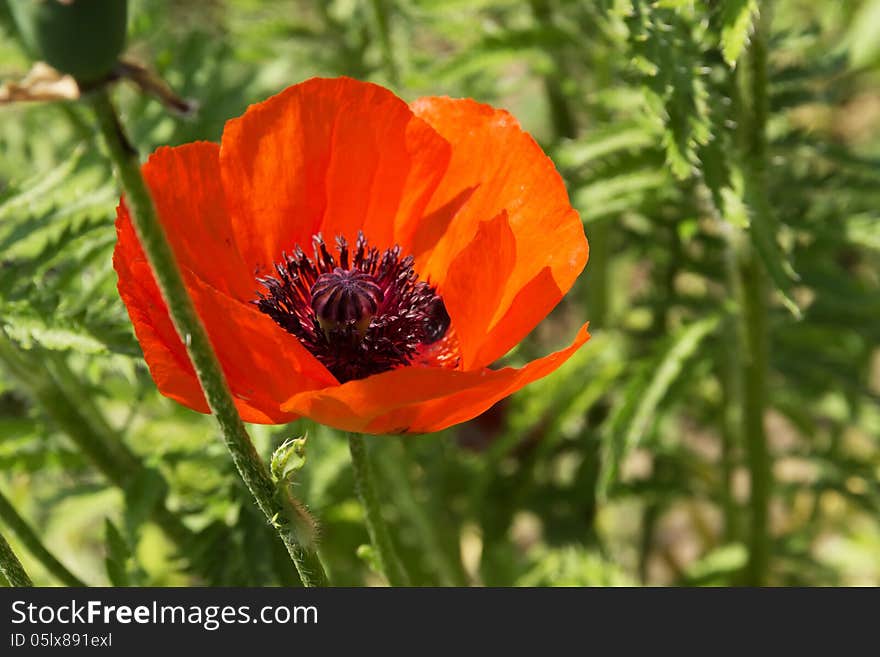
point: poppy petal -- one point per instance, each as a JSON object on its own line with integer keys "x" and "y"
{"x": 185, "y": 185}
{"x": 248, "y": 344}
{"x": 164, "y": 352}
{"x": 332, "y": 156}
{"x": 420, "y": 400}
{"x": 475, "y": 284}
{"x": 506, "y": 171}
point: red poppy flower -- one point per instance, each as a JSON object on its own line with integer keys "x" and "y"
{"x": 358, "y": 260}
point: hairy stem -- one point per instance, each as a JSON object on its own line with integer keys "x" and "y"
{"x": 365, "y": 483}
{"x": 753, "y": 302}
{"x": 32, "y": 542}
{"x": 755, "y": 390}
{"x": 293, "y": 523}
{"x": 11, "y": 567}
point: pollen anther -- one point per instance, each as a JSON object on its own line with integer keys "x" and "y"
{"x": 360, "y": 313}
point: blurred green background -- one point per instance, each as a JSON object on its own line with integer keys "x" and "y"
{"x": 721, "y": 427}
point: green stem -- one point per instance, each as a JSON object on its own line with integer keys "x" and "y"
{"x": 11, "y": 567}
{"x": 32, "y": 542}
{"x": 598, "y": 290}
{"x": 754, "y": 396}
{"x": 731, "y": 428}
{"x": 649, "y": 519}
{"x": 294, "y": 524}
{"x": 364, "y": 480}
{"x": 753, "y": 302}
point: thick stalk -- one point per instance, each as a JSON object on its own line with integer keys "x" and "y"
{"x": 754, "y": 396}
{"x": 32, "y": 542}
{"x": 293, "y": 523}
{"x": 731, "y": 430}
{"x": 11, "y": 567}
{"x": 753, "y": 302}
{"x": 392, "y": 566}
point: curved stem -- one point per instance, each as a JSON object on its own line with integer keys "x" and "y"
{"x": 11, "y": 567}
{"x": 32, "y": 542}
{"x": 294, "y": 524}
{"x": 364, "y": 481}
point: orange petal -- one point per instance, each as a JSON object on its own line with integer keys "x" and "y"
{"x": 164, "y": 352}
{"x": 532, "y": 304}
{"x": 507, "y": 171}
{"x": 418, "y": 400}
{"x": 475, "y": 284}
{"x": 263, "y": 365}
{"x": 185, "y": 185}
{"x": 334, "y": 156}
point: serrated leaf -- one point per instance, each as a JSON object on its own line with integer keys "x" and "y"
{"x": 737, "y": 17}
{"x": 23, "y": 195}
{"x": 118, "y": 554}
{"x": 634, "y": 416}
{"x": 611, "y": 195}
{"x": 602, "y": 143}
{"x": 763, "y": 237}
{"x": 734, "y": 208}
{"x": 29, "y": 330}
{"x": 666, "y": 50}
{"x": 145, "y": 492}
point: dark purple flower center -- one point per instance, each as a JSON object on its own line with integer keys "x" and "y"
{"x": 346, "y": 296}
{"x": 359, "y": 312}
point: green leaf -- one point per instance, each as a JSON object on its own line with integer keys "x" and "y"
{"x": 736, "y": 27}
{"x": 666, "y": 50}
{"x": 118, "y": 554}
{"x": 29, "y": 329}
{"x": 288, "y": 459}
{"x": 146, "y": 491}
{"x": 616, "y": 194}
{"x": 734, "y": 209}
{"x": 864, "y": 46}
{"x": 863, "y": 229}
{"x": 601, "y": 143}
{"x": 762, "y": 231}
{"x": 718, "y": 565}
{"x": 21, "y": 197}
{"x": 634, "y": 416}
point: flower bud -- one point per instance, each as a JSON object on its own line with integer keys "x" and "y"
{"x": 82, "y": 38}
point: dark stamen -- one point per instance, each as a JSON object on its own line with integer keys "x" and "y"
{"x": 363, "y": 313}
